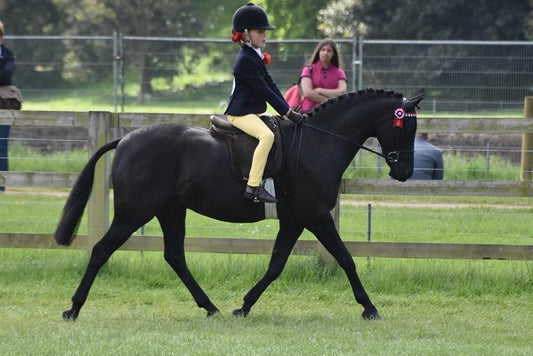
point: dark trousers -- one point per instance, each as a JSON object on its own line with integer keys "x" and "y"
{"x": 4, "y": 135}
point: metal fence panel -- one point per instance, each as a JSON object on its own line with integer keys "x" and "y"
{"x": 457, "y": 76}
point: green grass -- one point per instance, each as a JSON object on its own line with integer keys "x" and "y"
{"x": 152, "y": 104}
{"x": 497, "y": 220}
{"x": 202, "y": 91}
{"x": 137, "y": 306}
{"x": 457, "y": 167}
{"x": 23, "y": 158}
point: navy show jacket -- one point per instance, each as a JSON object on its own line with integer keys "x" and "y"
{"x": 253, "y": 87}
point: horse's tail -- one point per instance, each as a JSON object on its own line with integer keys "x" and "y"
{"x": 77, "y": 200}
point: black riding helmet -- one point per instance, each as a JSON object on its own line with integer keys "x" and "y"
{"x": 249, "y": 17}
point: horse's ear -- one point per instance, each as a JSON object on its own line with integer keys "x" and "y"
{"x": 411, "y": 103}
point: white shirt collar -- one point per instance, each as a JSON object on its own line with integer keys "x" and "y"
{"x": 258, "y": 51}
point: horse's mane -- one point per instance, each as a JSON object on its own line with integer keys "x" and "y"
{"x": 355, "y": 94}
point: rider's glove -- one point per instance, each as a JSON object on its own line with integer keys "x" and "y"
{"x": 294, "y": 116}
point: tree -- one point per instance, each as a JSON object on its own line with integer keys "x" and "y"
{"x": 342, "y": 18}
{"x": 427, "y": 19}
{"x": 34, "y": 17}
{"x": 294, "y": 19}
{"x": 141, "y": 18}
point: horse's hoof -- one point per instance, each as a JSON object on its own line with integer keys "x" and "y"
{"x": 70, "y": 315}
{"x": 240, "y": 312}
{"x": 210, "y": 313}
{"x": 371, "y": 315}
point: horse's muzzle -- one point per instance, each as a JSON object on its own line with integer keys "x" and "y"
{"x": 400, "y": 175}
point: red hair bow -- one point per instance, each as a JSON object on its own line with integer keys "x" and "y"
{"x": 237, "y": 36}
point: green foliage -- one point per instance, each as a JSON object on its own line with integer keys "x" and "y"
{"x": 427, "y": 20}
{"x": 38, "y": 18}
{"x": 33, "y": 17}
{"x": 294, "y": 19}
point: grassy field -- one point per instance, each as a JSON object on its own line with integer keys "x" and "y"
{"x": 137, "y": 306}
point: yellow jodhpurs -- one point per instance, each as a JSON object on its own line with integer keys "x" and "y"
{"x": 255, "y": 127}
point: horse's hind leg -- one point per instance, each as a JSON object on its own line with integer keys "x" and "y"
{"x": 173, "y": 225}
{"x": 325, "y": 231}
{"x": 112, "y": 240}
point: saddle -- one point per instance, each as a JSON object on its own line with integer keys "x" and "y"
{"x": 241, "y": 146}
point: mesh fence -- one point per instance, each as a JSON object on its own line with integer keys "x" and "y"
{"x": 456, "y": 76}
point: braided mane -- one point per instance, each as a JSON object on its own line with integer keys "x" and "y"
{"x": 329, "y": 102}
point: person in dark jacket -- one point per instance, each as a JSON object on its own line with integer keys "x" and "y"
{"x": 253, "y": 88}
{"x": 7, "y": 60}
{"x": 7, "y": 66}
{"x": 428, "y": 161}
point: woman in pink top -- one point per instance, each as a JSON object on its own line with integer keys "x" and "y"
{"x": 322, "y": 77}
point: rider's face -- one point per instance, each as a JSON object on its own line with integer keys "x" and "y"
{"x": 258, "y": 38}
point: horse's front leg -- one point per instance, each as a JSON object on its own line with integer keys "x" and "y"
{"x": 285, "y": 240}
{"x": 325, "y": 231}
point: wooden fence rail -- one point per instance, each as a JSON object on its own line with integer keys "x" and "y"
{"x": 102, "y": 126}
{"x": 302, "y": 247}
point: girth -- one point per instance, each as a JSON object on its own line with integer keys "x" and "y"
{"x": 241, "y": 146}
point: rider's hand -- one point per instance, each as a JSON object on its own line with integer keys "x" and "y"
{"x": 295, "y": 117}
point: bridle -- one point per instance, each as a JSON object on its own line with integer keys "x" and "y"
{"x": 392, "y": 156}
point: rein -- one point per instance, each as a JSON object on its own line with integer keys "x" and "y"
{"x": 391, "y": 157}
{"x": 350, "y": 141}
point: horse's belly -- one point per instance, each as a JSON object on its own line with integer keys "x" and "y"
{"x": 230, "y": 211}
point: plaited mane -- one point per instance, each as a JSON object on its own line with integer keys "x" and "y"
{"x": 327, "y": 103}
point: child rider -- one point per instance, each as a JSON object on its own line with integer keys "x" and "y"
{"x": 253, "y": 87}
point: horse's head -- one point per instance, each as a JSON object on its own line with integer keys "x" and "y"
{"x": 397, "y": 138}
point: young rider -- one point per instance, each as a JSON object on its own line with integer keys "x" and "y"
{"x": 253, "y": 87}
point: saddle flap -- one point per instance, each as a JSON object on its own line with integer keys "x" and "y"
{"x": 221, "y": 124}
{"x": 241, "y": 146}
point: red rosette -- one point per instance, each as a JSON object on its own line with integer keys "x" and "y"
{"x": 267, "y": 58}
{"x": 399, "y": 114}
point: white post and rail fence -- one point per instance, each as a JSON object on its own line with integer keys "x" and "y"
{"x": 102, "y": 126}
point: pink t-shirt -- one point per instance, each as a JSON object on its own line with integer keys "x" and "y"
{"x": 322, "y": 78}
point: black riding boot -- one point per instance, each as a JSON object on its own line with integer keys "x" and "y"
{"x": 258, "y": 194}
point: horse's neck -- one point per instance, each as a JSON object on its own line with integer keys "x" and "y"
{"x": 345, "y": 126}
{"x": 312, "y": 148}
{"x": 351, "y": 124}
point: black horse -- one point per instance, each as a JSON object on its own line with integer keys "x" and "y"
{"x": 163, "y": 170}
